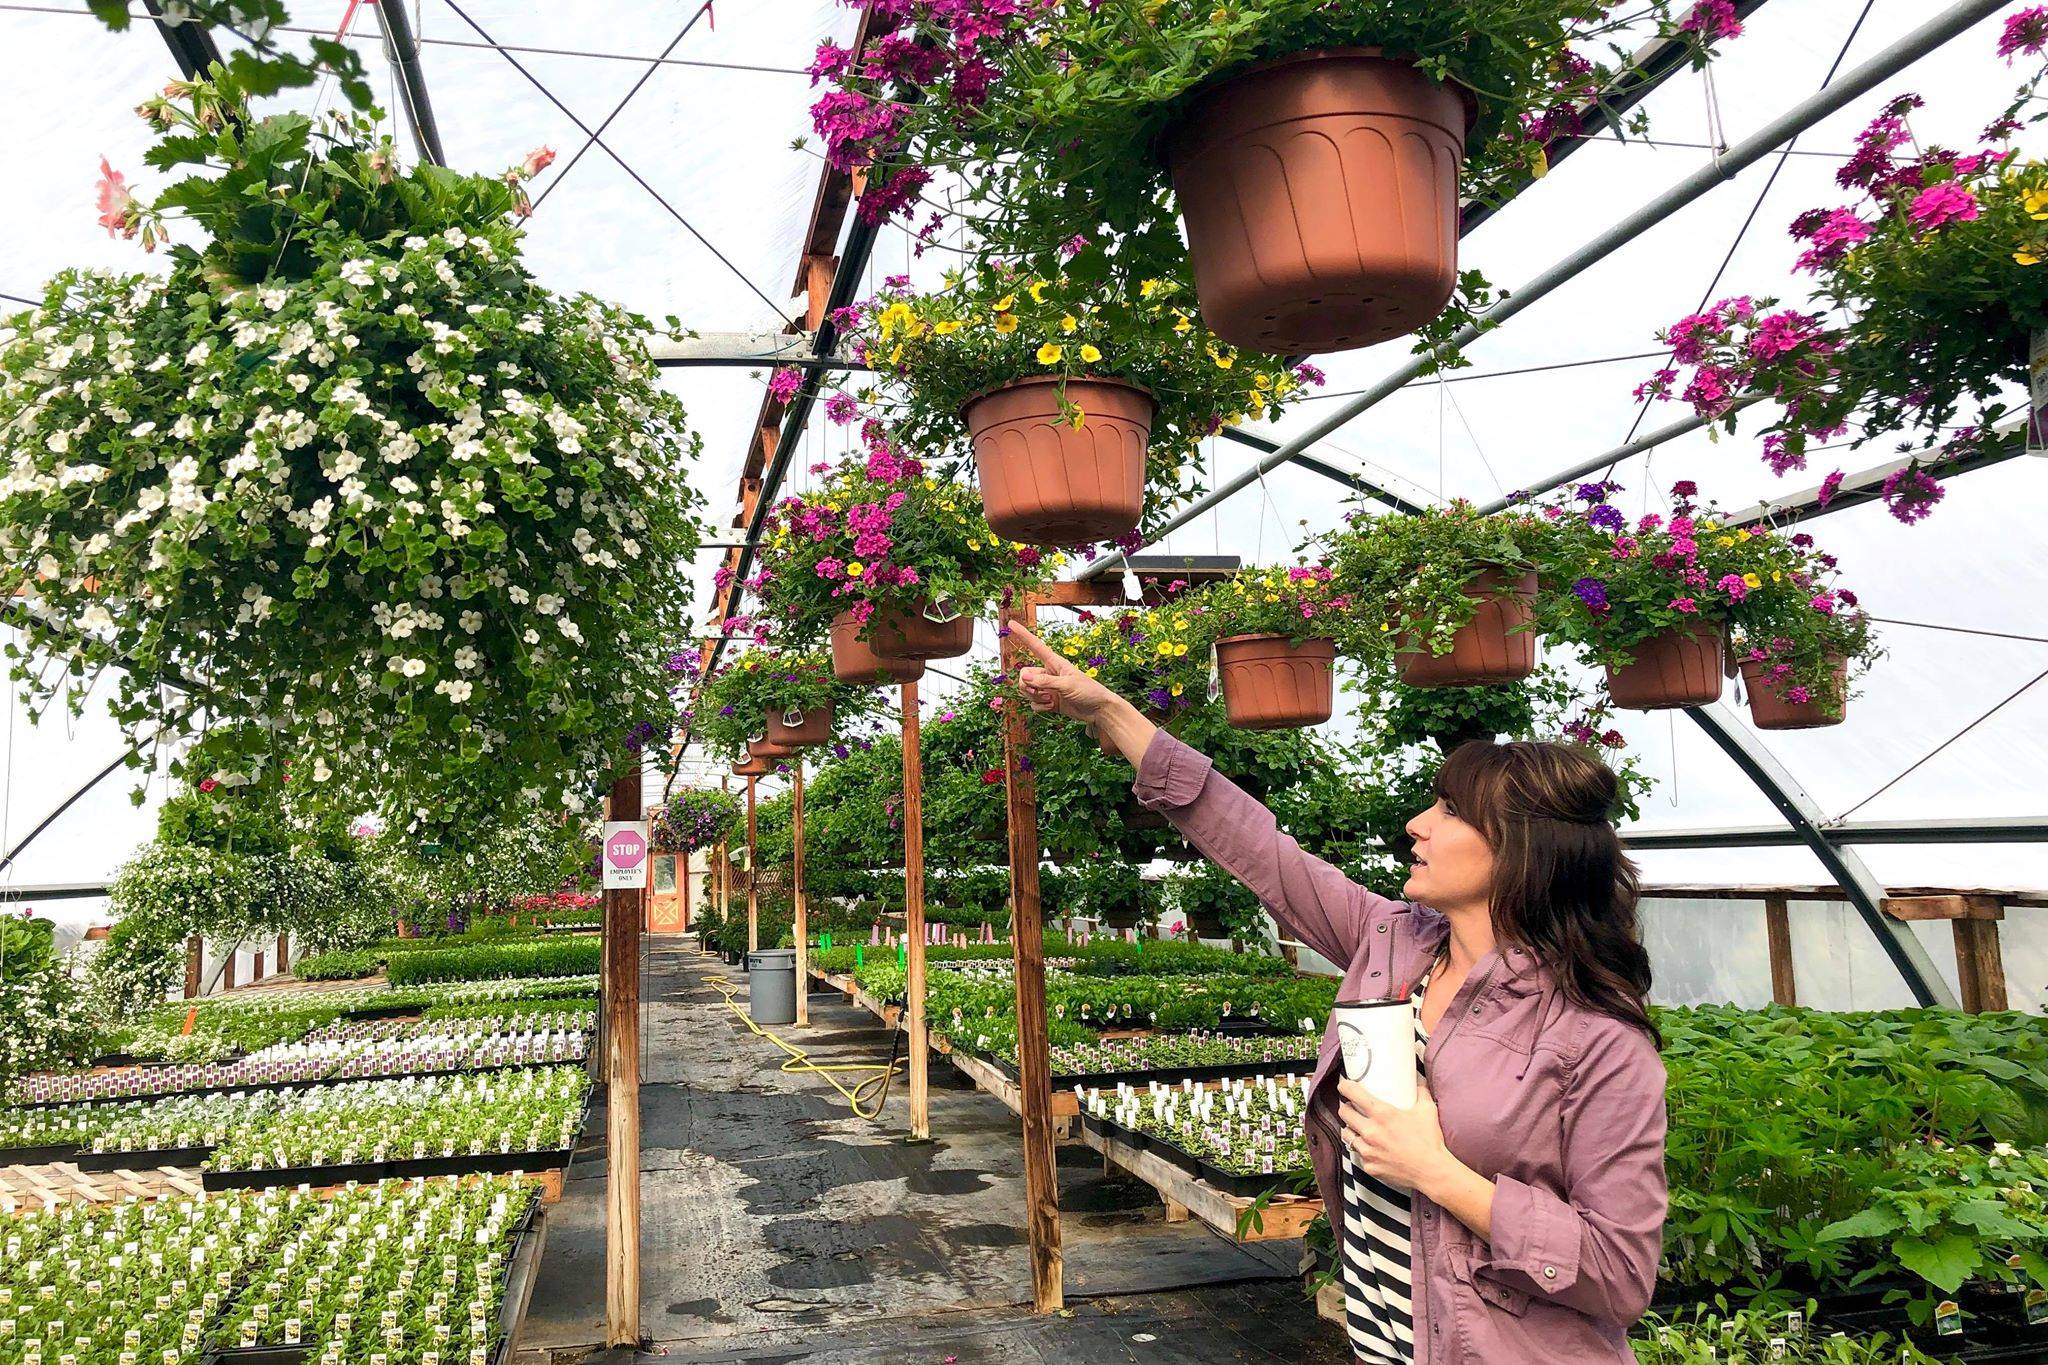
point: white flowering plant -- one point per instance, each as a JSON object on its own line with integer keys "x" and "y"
{"x": 347, "y": 477}
{"x": 45, "y": 1019}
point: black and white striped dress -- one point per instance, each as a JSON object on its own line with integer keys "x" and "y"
{"x": 1378, "y": 1310}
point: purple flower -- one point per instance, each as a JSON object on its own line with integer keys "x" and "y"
{"x": 1712, "y": 19}
{"x": 1606, "y": 517}
{"x": 1685, "y": 488}
{"x": 842, "y": 409}
{"x": 1828, "y": 488}
{"x": 1593, "y": 593}
{"x": 1911, "y": 493}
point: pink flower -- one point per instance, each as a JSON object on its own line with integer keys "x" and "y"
{"x": 537, "y": 160}
{"x": 1828, "y": 488}
{"x": 1733, "y": 585}
{"x": 1832, "y": 234}
{"x": 1685, "y": 605}
{"x": 118, "y": 214}
{"x": 207, "y": 784}
{"x": 1938, "y": 205}
{"x": 1798, "y": 696}
{"x": 786, "y": 383}
{"x": 2025, "y": 32}
{"x": 1712, "y": 19}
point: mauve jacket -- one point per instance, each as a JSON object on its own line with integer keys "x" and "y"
{"x": 1560, "y": 1106}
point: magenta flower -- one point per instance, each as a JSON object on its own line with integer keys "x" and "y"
{"x": 1684, "y": 605}
{"x": 2025, "y": 32}
{"x": 1942, "y": 204}
{"x": 1832, "y": 234}
{"x": 1911, "y": 493}
{"x": 1712, "y": 20}
{"x": 842, "y": 409}
{"x": 785, "y": 383}
{"x": 1828, "y": 488}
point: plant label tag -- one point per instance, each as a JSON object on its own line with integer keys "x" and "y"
{"x": 2037, "y": 1307}
{"x": 2037, "y": 390}
{"x": 625, "y": 855}
{"x": 1948, "y": 1318}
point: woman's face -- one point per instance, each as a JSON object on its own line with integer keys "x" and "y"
{"x": 1452, "y": 866}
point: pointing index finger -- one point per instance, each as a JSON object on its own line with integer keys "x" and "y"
{"x": 1039, "y": 649}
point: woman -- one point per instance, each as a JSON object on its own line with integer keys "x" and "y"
{"x": 1515, "y": 1213}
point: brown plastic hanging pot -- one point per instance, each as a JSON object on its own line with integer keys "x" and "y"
{"x": 854, "y": 660}
{"x": 810, "y": 727}
{"x": 1273, "y": 683}
{"x": 1769, "y": 711}
{"x": 1045, "y": 481}
{"x": 1681, "y": 667}
{"x": 1320, "y": 195}
{"x": 767, "y": 749}
{"x": 912, "y": 633}
{"x": 753, "y": 767}
{"x": 1495, "y": 646}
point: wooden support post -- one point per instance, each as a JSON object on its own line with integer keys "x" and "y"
{"x": 802, "y": 928}
{"x": 753, "y": 878}
{"x": 1027, "y": 940}
{"x": 623, "y": 923}
{"x": 1980, "y": 963}
{"x": 227, "y": 975}
{"x": 913, "y": 917}
{"x": 284, "y": 950}
{"x": 195, "y": 958}
{"x": 1778, "y": 928}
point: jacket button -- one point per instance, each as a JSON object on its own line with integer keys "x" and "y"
{"x": 1383, "y": 928}
{"x": 1475, "y": 1009}
{"x": 1550, "y": 1272}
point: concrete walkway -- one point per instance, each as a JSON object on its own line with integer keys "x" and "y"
{"x": 776, "y": 1226}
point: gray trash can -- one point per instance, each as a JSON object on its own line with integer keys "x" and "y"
{"x": 771, "y": 986}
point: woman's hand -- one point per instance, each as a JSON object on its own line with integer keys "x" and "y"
{"x": 1055, "y": 684}
{"x": 1404, "y": 1147}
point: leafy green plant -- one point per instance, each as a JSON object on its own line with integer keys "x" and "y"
{"x": 45, "y": 1016}
{"x": 733, "y": 705}
{"x": 557, "y": 956}
{"x": 1407, "y": 576}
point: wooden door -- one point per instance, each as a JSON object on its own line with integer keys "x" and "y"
{"x": 666, "y": 913}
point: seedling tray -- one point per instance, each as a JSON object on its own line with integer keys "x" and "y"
{"x": 258, "y": 1355}
{"x": 405, "y": 1168}
{"x": 142, "y": 1161}
{"x": 1227, "y": 1182}
{"x": 38, "y": 1156}
{"x": 309, "y": 1083}
{"x": 1169, "y": 1075}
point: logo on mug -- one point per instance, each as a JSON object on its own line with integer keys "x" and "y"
{"x": 1357, "y": 1050}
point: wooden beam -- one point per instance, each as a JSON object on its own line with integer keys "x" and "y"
{"x": 284, "y": 950}
{"x": 753, "y": 878}
{"x": 623, "y": 922}
{"x": 1957, "y": 906}
{"x": 1034, "y": 1064}
{"x": 1778, "y": 929}
{"x": 1980, "y": 965}
{"x": 195, "y": 955}
{"x": 802, "y": 930}
{"x": 818, "y": 270}
{"x": 913, "y": 915}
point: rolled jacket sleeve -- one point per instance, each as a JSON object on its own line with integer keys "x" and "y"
{"x": 1597, "y": 1248}
{"x": 1312, "y": 899}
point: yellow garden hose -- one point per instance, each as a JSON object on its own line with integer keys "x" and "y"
{"x": 798, "y": 1061}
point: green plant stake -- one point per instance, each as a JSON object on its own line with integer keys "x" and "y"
{"x": 860, "y": 956}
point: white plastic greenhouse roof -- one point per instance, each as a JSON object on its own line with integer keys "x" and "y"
{"x": 1951, "y": 724}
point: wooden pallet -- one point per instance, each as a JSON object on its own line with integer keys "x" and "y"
{"x": 23, "y": 1188}
{"x": 1285, "y": 1216}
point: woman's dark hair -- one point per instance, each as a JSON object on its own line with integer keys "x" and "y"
{"x": 1562, "y": 885}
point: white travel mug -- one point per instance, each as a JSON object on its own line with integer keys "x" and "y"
{"x": 1376, "y": 1042}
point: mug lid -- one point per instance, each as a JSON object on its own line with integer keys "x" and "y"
{"x": 1366, "y": 1004}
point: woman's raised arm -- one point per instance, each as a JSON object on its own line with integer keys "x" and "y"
{"x": 1312, "y": 899}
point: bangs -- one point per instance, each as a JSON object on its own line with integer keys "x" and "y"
{"x": 1469, "y": 780}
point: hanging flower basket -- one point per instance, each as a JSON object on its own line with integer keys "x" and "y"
{"x": 1772, "y": 705}
{"x": 753, "y": 767}
{"x": 913, "y": 633}
{"x": 1495, "y": 646}
{"x": 1680, "y": 667}
{"x": 768, "y": 749}
{"x": 799, "y": 729}
{"x": 854, "y": 660}
{"x": 1051, "y": 478}
{"x": 1320, "y": 196}
{"x": 1273, "y": 683}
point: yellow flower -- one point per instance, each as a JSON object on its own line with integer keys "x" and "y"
{"x": 1090, "y": 353}
{"x": 1750, "y": 580}
{"x": 974, "y": 545}
{"x": 1049, "y": 354}
{"x": 1182, "y": 324}
{"x": 892, "y": 316}
{"x": 1037, "y": 291}
{"x": 1777, "y": 576}
{"x": 1165, "y": 649}
{"x": 1724, "y": 541}
{"x": 2037, "y": 204}
{"x": 1223, "y": 362}
{"x": 1006, "y": 323}
{"x": 856, "y": 569}
{"x": 1094, "y": 672}
{"x": 1078, "y": 420}
{"x": 946, "y": 328}
{"x": 1263, "y": 382}
{"x": 1175, "y": 689}
{"x": 1069, "y": 323}
{"x": 1006, "y": 303}
{"x": 2026, "y": 258}
{"x": 1384, "y": 627}
{"x": 1147, "y": 288}
{"x": 1179, "y": 650}
{"x": 1180, "y": 623}
{"x": 1742, "y": 535}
